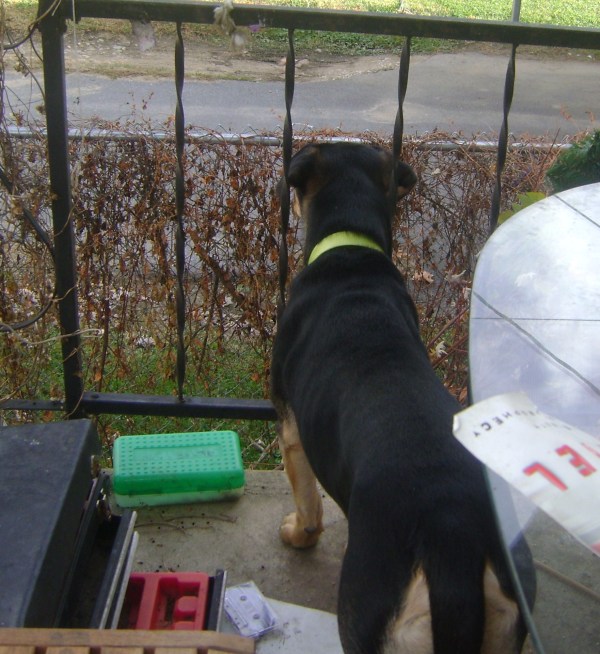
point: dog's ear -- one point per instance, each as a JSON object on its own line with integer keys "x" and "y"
{"x": 302, "y": 166}
{"x": 403, "y": 175}
{"x": 406, "y": 178}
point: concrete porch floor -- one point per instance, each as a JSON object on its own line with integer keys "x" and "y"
{"x": 242, "y": 538}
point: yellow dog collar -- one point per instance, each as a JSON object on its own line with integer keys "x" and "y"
{"x": 341, "y": 239}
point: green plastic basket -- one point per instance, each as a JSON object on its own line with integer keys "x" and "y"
{"x": 177, "y": 468}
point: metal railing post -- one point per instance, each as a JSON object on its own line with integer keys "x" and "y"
{"x": 52, "y": 27}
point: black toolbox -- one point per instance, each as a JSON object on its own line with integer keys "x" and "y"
{"x": 64, "y": 556}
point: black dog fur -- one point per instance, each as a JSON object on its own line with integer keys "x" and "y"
{"x": 361, "y": 407}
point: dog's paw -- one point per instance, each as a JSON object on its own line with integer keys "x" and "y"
{"x": 294, "y": 534}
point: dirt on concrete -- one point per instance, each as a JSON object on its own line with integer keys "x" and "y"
{"x": 145, "y": 54}
{"x": 122, "y": 55}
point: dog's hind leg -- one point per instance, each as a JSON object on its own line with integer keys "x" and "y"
{"x": 302, "y": 528}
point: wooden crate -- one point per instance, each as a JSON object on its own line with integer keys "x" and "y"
{"x": 120, "y": 641}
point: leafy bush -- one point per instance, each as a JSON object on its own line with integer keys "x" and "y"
{"x": 578, "y": 165}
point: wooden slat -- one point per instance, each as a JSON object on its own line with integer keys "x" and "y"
{"x": 122, "y": 650}
{"x": 67, "y": 649}
{"x": 19, "y": 649}
{"x": 193, "y": 641}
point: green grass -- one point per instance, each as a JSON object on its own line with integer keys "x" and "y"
{"x": 237, "y": 371}
{"x": 305, "y": 43}
{"x": 577, "y": 13}
{"x": 234, "y": 372}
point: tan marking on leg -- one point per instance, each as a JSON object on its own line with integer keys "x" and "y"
{"x": 410, "y": 632}
{"x": 501, "y": 617}
{"x": 302, "y": 528}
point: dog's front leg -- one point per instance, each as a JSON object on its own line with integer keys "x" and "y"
{"x": 302, "y": 528}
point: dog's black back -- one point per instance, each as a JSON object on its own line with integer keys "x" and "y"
{"x": 375, "y": 421}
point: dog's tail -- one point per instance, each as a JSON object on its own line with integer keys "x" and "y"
{"x": 456, "y": 596}
{"x": 471, "y": 608}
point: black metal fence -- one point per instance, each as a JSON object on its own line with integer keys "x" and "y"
{"x": 54, "y": 14}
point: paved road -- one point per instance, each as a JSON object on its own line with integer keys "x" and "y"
{"x": 454, "y": 92}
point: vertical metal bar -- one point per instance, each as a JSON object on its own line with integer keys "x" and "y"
{"x": 402, "y": 86}
{"x": 516, "y": 11}
{"x": 180, "y": 206}
{"x": 509, "y": 86}
{"x": 290, "y": 73}
{"x": 398, "y": 133}
{"x": 52, "y": 28}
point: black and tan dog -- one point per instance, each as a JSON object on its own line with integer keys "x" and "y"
{"x": 361, "y": 408}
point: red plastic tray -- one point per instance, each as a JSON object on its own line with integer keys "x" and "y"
{"x": 165, "y": 600}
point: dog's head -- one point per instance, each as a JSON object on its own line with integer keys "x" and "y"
{"x": 347, "y": 187}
